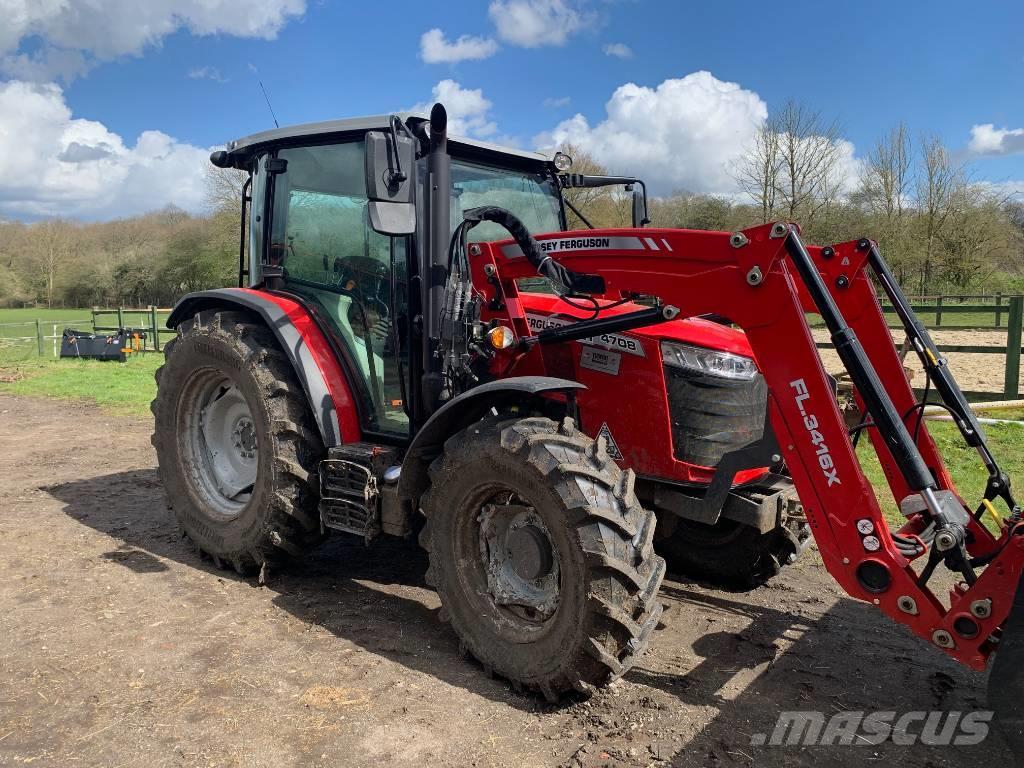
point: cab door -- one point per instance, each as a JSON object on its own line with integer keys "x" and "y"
{"x": 354, "y": 276}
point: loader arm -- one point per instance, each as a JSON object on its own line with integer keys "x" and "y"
{"x": 764, "y": 279}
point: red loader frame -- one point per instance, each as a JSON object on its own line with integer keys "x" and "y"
{"x": 764, "y": 279}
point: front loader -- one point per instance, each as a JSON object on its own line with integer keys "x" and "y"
{"x": 398, "y": 364}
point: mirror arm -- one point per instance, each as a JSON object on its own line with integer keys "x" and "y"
{"x": 645, "y": 220}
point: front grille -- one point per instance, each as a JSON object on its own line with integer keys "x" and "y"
{"x": 712, "y": 416}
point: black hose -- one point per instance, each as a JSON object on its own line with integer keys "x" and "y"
{"x": 546, "y": 266}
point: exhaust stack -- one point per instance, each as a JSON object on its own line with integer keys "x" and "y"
{"x": 435, "y": 270}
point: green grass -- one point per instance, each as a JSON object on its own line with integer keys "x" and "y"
{"x": 1005, "y": 440}
{"x": 21, "y": 323}
{"x": 29, "y": 315}
{"x": 124, "y": 388}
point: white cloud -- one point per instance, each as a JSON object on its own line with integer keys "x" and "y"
{"x": 52, "y": 164}
{"x": 556, "y": 102}
{"x": 434, "y": 48}
{"x": 535, "y": 23}
{"x": 468, "y": 110}
{"x": 78, "y": 32}
{"x": 685, "y": 134}
{"x": 1004, "y": 190}
{"x": 207, "y": 73}
{"x": 988, "y": 140}
{"x": 618, "y": 50}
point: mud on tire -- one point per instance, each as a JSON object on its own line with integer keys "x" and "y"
{"x": 276, "y": 518}
{"x": 609, "y": 574}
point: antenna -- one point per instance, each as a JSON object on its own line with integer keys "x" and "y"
{"x": 268, "y": 104}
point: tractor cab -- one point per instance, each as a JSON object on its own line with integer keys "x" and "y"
{"x": 318, "y": 226}
{"x": 309, "y": 231}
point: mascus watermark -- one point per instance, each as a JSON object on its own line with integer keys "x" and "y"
{"x": 859, "y": 728}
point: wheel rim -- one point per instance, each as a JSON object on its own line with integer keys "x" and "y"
{"x": 519, "y": 558}
{"x": 220, "y": 443}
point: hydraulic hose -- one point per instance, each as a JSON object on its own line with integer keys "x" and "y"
{"x": 546, "y": 266}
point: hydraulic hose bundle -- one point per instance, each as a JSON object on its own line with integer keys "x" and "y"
{"x": 572, "y": 282}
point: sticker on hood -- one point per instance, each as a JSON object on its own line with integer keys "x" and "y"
{"x": 614, "y": 341}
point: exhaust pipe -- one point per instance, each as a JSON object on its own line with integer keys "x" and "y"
{"x": 435, "y": 271}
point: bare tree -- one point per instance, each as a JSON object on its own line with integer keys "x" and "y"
{"x": 757, "y": 172}
{"x": 809, "y": 151}
{"x": 224, "y": 189}
{"x": 975, "y": 243}
{"x": 885, "y": 188}
{"x": 50, "y": 245}
{"x": 939, "y": 194}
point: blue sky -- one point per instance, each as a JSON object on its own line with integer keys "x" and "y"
{"x": 183, "y": 76}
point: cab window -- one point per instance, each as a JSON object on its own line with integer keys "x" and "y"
{"x": 356, "y": 276}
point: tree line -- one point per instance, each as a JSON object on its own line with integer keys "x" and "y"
{"x": 134, "y": 262}
{"x": 941, "y": 231}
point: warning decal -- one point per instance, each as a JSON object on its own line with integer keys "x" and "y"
{"x": 610, "y": 445}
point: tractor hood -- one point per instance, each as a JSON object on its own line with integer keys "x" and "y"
{"x": 693, "y": 330}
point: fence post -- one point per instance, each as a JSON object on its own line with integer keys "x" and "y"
{"x": 120, "y": 318}
{"x": 938, "y": 311}
{"x": 1011, "y": 381}
{"x": 156, "y": 331}
{"x": 55, "y": 353}
{"x": 39, "y": 337}
{"x": 999, "y": 308}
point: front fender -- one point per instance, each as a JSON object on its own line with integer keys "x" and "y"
{"x": 302, "y": 341}
{"x": 458, "y": 413}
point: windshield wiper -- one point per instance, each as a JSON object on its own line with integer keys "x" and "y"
{"x": 576, "y": 210}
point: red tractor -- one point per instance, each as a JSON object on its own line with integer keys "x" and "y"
{"x": 407, "y": 357}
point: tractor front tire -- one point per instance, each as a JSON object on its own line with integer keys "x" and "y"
{"x": 541, "y": 554}
{"x": 236, "y": 443}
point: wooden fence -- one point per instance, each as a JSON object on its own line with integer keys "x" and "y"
{"x": 981, "y": 316}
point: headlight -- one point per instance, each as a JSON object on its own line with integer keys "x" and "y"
{"x": 562, "y": 161}
{"x": 710, "y": 362}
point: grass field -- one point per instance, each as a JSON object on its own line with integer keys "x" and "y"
{"x": 124, "y": 388}
{"x": 1005, "y": 440}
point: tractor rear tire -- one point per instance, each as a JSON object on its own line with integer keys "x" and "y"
{"x": 728, "y": 553}
{"x": 226, "y": 389}
{"x": 603, "y": 605}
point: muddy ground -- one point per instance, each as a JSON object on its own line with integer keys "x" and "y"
{"x": 120, "y": 647}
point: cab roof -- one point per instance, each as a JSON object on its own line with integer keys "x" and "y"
{"x": 247, "y": 145}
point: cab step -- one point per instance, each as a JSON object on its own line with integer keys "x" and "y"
{"x": 350, "y": 481}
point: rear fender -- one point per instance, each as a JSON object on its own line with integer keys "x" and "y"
{"x": 459, "y": 413}
{"x": 306, "y": 347}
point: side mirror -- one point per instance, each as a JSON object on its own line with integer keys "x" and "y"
{"x": 640, "y": 205}
{"x": 390, "y": 175}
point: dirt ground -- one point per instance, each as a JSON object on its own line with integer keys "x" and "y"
{"x": 120, "y": 647}
{"x": 975, "y": 372}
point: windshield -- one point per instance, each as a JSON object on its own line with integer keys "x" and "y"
{"x": 530, "y": 196}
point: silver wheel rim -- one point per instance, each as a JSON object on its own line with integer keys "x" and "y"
{"x": 520, "y": 559}
{"x": 220, "y": 443}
